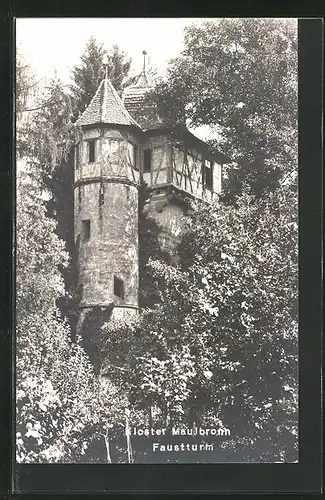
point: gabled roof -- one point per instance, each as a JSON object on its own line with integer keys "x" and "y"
{"x": 106, "y": 107}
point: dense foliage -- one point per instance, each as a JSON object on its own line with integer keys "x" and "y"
{"x": 220, "y": 347}
{"x": 54, "y": 382}
{"x": 216, "y": 341}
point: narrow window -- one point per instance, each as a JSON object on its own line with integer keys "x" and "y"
{"x": 91, "y": 151}
{"x": 118, "y": 287}
{"x": 203, "y": 172}
{"x": 207, "y": 174}
{"x": 101, "y": 195}
{"x": 80, "y": 291}
{"x": 77, "y": 156}
{"x": 135, "y": 156}
{"x": 78, "y": 243}
{"x": 133, "y": 153}
{"x": 114, "y": 147}
{"x": 85, "y": 230}
{"x": 79, "y": 198}
{"x": 147, "y": 160}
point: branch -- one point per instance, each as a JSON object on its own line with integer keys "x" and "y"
{"x": 33, "y": 109}
{"x": 117, "y": 368}
{"x": 44, "y": 105}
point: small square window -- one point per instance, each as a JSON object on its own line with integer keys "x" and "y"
{"x": 114, "y": 147}
{"x": 118, "y": 287}
{"x": 147, "y": 160}
{"x": 91, "y": 151}
{"x": 85, "y": 226}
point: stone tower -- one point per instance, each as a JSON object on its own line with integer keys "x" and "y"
{"x": 106, "y": 205}
{"x": 122, "y": 143}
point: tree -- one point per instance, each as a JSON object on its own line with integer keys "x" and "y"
{"x": 242, "y": 75}
{"x": 49, "y": 137}
{"x": 52, "y": 407}
{"x": 88, "y": 75}
{"x": 55, "y": 383}
{"x": 219, "y": 345}
{"x": 248, "y": 267}
{"x": 25, "y": 83}
{"x": 232, "y": 306}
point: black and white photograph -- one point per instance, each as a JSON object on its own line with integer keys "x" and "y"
{"x": 156, "y": 233}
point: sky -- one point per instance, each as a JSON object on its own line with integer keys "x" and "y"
{"x": 57, "y": 43}
{"x": 52, "y": 46}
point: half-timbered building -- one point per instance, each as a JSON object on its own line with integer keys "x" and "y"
{"x": 122, "y": 142}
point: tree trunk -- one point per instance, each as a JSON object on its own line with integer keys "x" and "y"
{"x": 151, "y": 420}
{"x": 107, "y": 445}
{"x": 128, "y": 437}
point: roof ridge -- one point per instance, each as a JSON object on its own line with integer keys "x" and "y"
{"x": 92, "y": 99}
{"x": 102, "y": 113}
{"x": 120, "y": 102}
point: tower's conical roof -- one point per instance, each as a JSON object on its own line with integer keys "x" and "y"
{"x": 106, "y": 107}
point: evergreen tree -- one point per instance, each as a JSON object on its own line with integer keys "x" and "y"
{"x": 88, "y": 74}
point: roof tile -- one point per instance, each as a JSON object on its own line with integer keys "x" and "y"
{"x": 135, "y": 100}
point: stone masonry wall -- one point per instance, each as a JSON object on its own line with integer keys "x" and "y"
{"x": 106, "y": 194}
